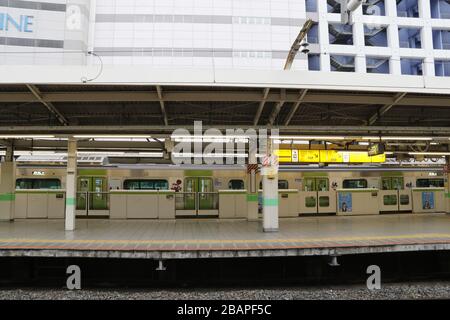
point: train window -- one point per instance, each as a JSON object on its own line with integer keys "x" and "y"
{"x": 430, "y": 183}
{"x": 316, "y": 184}
{"x": 236, "y": 184}
{"x": 324, "y": 202}
{"x": 154, "y": 184}
{"x": 392, "y": 183}
{"x": 310, "y": 202}
{"x": 282, "y": 185}
{"x": 38, "y": 184}
{"x": 354, "y": 184}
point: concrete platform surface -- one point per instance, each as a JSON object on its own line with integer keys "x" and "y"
{"x": 212, "y": 238}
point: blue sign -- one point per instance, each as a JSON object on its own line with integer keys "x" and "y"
{"x": 22, "y": 24}
{"x": 345, "y": 202}
{"x": 427, "y": 200}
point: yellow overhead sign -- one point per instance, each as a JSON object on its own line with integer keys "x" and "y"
{"x": 327, "y": 156}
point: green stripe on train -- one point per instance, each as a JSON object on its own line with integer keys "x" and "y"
{"x": 252, "y": 197}
{"x": 7, "y": 197}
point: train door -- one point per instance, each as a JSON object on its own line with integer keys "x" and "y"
{"x": 316, "y": 196}
{"x": 393, "y": 196}
{"x": 199, "y": 197}
{"x": 92, "y": 196}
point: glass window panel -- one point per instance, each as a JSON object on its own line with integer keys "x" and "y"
{"x": 355, "y": 184}
{"x": 310, "y": 202}
{"x": 390, "y": 200}
{"x": 324, "y": 202}
{"x": 404, "y": 199}
{"x": 236, "y": 184}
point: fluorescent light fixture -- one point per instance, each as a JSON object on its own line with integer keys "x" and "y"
{"x": 429, "y": 153}
{"x": 209, "y": 155}
{"x": 25, "y": 136}
{"x": 307, "y": 138}
{"x": 112, "y": 136}
{"x": 398, "y": 138}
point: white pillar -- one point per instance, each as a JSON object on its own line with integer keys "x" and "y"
{"x": 270, "y": 198}
{"x": 7, "y": 186}
{"x": 270, "y": 204}
{"x": 322, "y": 9}
{"x": 71, "y": 184}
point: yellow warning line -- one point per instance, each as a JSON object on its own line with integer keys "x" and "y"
{"x": 230, "y": 241}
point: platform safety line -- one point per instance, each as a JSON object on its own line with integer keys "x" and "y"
{"x": 227, "y": 241}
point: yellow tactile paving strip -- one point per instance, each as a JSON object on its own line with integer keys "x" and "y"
{"x": 228, "y": 244}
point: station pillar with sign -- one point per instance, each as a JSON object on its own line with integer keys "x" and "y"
{"x": 252, "y": 189}
{"x": 269, "y": 173}
{"x": 7, "y": 186}
{"x": 71, "y": 184}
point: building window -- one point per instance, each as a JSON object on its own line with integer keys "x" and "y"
{"x": 154, "y": 184}
{"x": 38, "y": 184}
{"x": 375, "y": 36}
{"x": 354, "y": 184}
{"x": 441, "y": 39}
{"x": 408, "y": 8}
{"x": 377, "y": 65}
{"x": 311, "y": 5}
{"x": 442, "y": 68}
{"x": 313, "y": 34}
{"x": 340, "y": 34}
{"x": 374, "y": 8}
{"x": 342, "y": 63}
{"x": 334, "y": 6}
{"x": 410, "y": 38}
{"x": 412, "y": 66}
{"x": 440, "y": 9}
{"x": 314, "y": 62}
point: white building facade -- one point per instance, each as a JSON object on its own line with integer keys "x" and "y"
{"x": 409, "y": 37}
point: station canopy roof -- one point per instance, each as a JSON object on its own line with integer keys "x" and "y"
{"x": 57, "y": 102}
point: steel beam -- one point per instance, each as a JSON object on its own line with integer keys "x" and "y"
{"x": 374, "y": 118}
{"x": 295, "y": 107}
{"x": 37, "y": 94}
{"x": 161, "y": 103}
{"x": 335, "y": 97}
{"x": 261, "y": 106}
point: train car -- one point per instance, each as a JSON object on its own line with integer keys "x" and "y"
{"x": 170, "y": 191}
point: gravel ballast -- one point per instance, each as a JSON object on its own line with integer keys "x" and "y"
{"x": 428, "y": 290}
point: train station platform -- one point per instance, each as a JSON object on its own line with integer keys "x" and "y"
{"x": 211, "y": 238}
